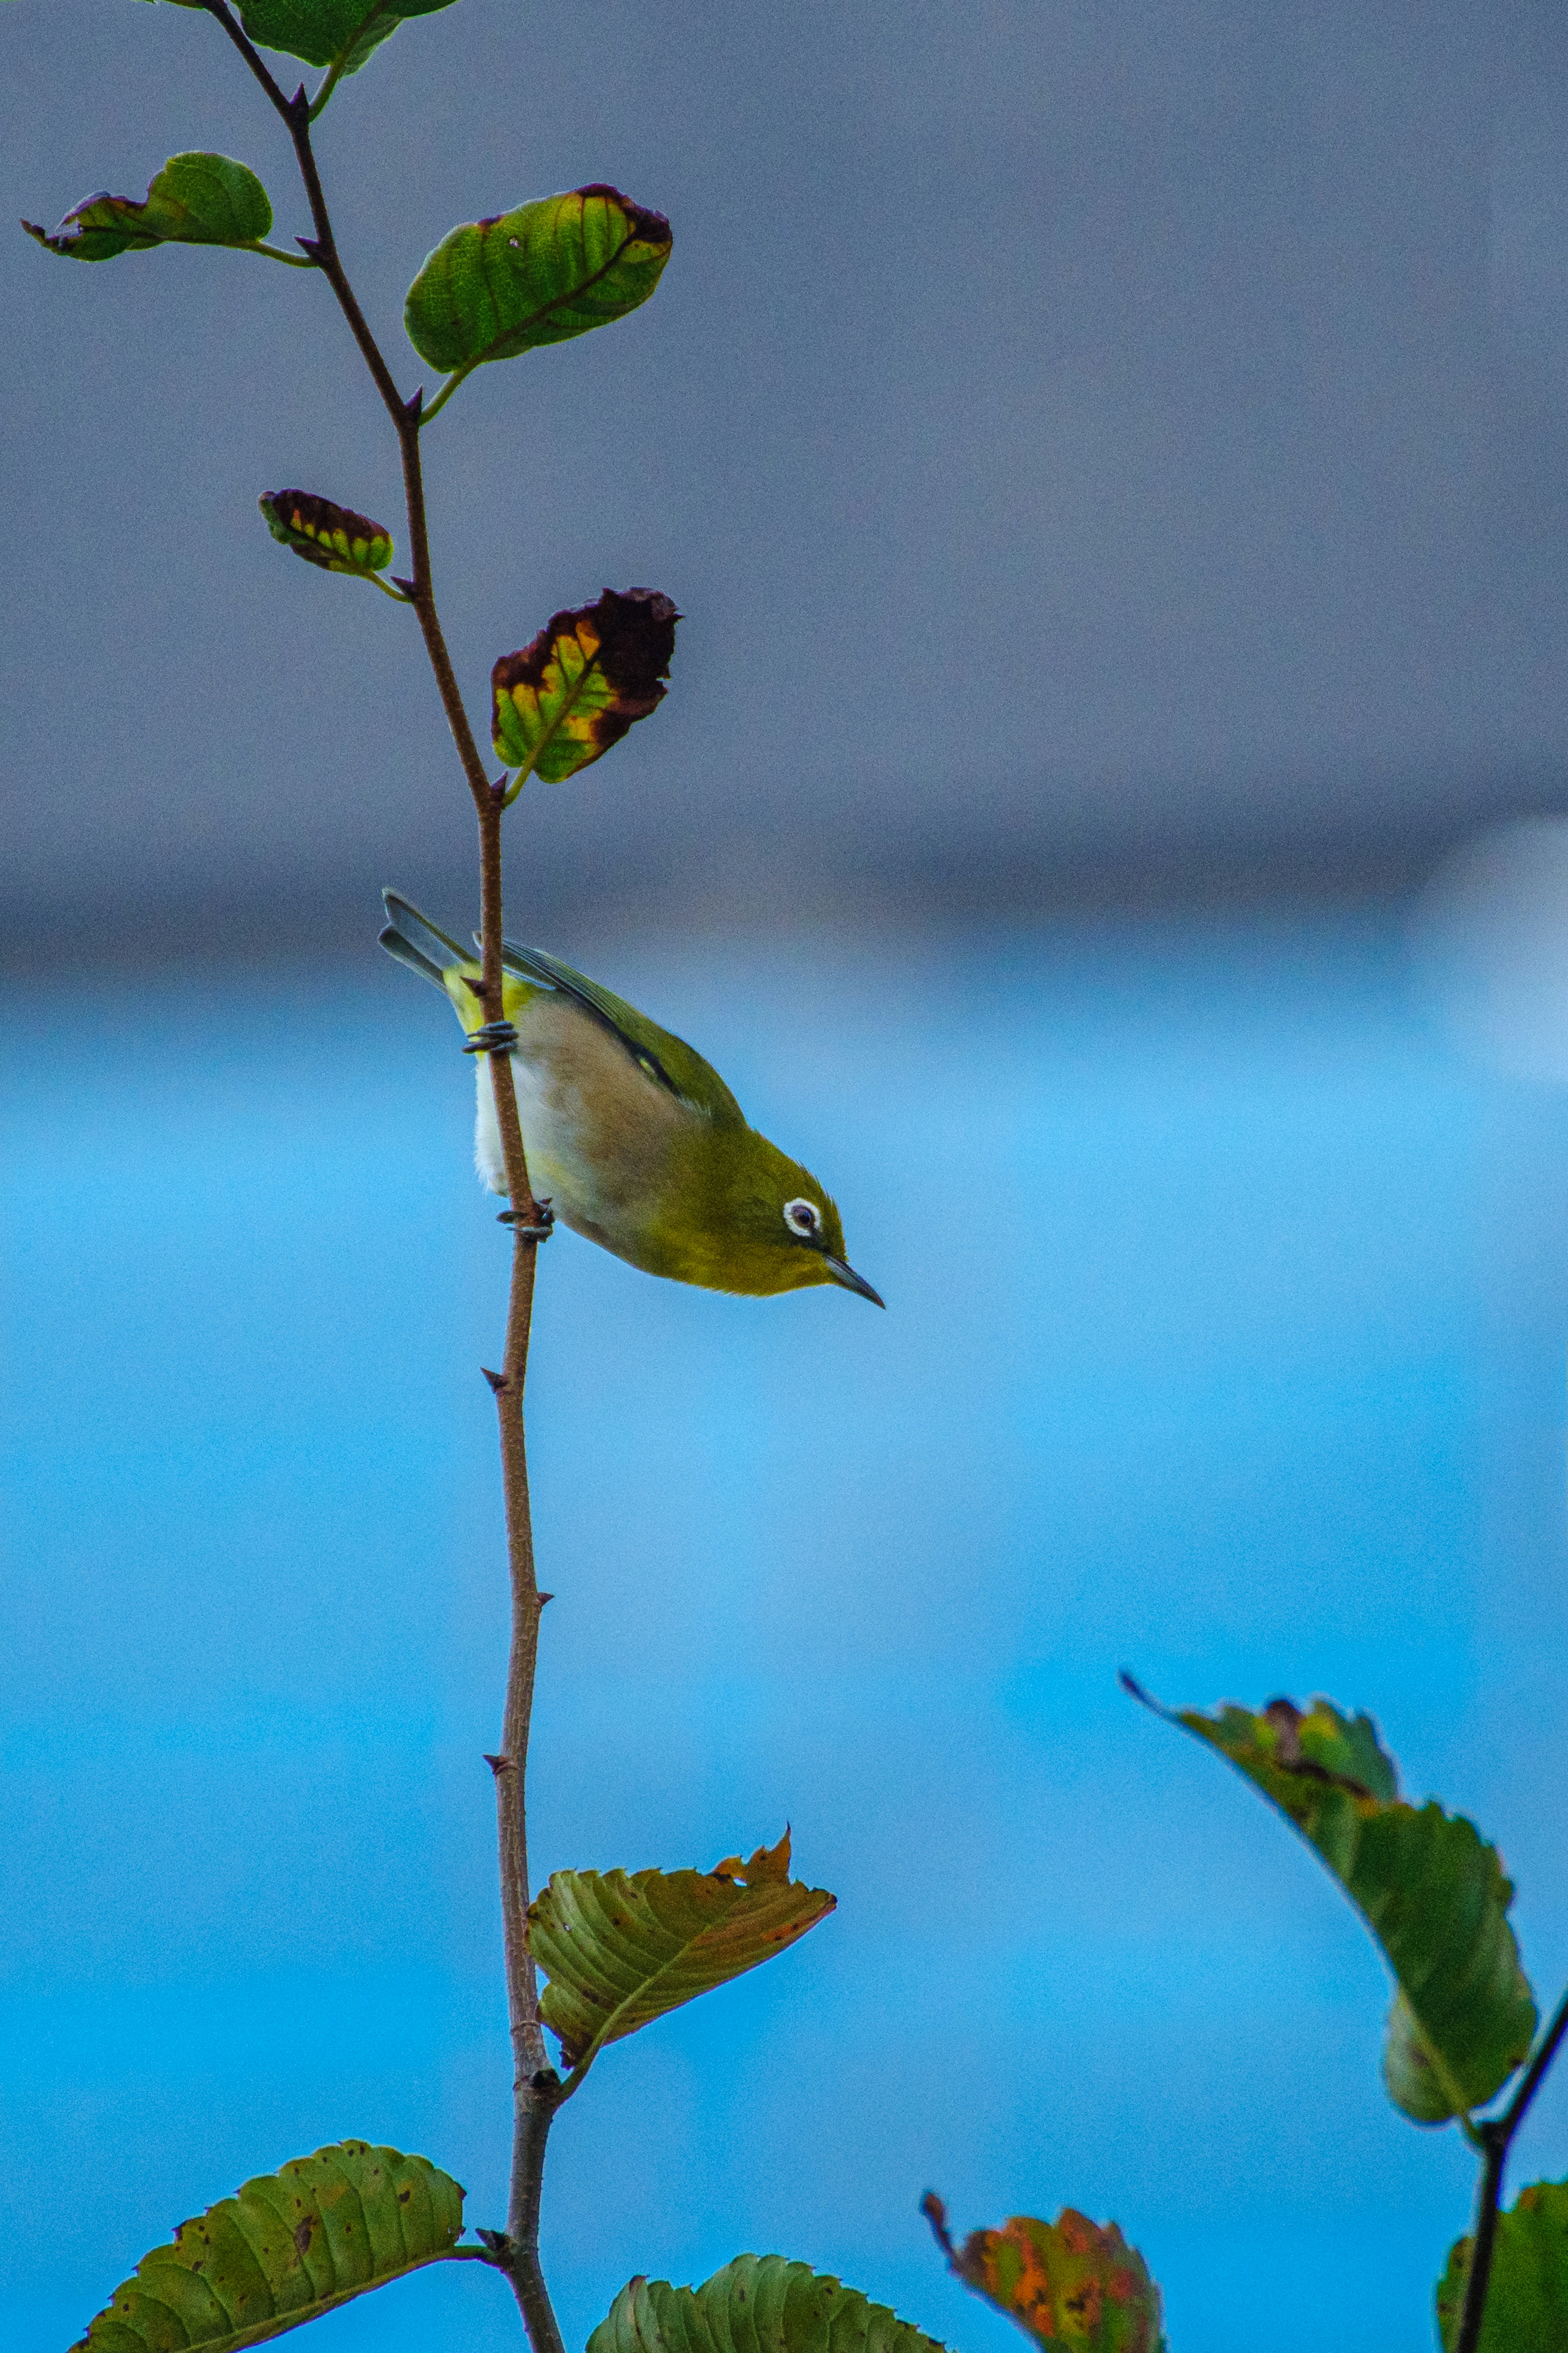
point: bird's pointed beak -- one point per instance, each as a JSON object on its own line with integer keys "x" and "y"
{"x": 847, "y": 1275}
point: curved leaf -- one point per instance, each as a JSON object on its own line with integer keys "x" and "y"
{"x": 1428, "y": 1885}
{"x": 195, "y": 199}
{"x": 583, "y": 681}
{"x": 1068, "y": 2283}
{"x": 325, "y": 534}
{"x": 1527, "y": 2291}
{"x": 621, "y": 1950}
{"x": 539, "y": 274}
{"x": 288, "y": 2247}
{"x": 338, "y": 34}
{"x": 758, "y": 2303}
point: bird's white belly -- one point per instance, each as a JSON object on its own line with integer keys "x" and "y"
{"x": 555, "y": 1163}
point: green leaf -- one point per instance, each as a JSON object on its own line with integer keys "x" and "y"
{"x": 621, "y": 1950}
{"x": 1069, "y": 2284}
{"x": 195, "y": 199}
{"x": 338, "y": 34}
{"x": 324, "y": 533}
{"x": 758, "y": 2303}
{"x": 540, "y": 274}
{"x": 290, "y": 2246}
{"x": 1527, "y": 2290}
{"x": 581, "y": 683}
{"x": 1428, "y": 1885}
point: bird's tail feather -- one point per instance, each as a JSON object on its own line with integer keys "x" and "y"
{"x": 415, "y": 941}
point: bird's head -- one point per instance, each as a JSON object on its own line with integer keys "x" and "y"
{"x": 775, "y": 1228}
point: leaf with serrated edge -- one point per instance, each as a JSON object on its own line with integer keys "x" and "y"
{"x": 1068, "y": 2283}
{"x": 325, "y": 534}
{"x": 1526, "y": 2288}
{"x": 539, "y": 274}
{"x": 621, "y": 1949}
{"x": 195, "y": 199}
{"x": 1428, "y": 1886}
{"x": 285, "y": 2248}
{"x": 576, "y": 688}
{"x": 758, "y": 2303}
{"x": 337, "y": 33}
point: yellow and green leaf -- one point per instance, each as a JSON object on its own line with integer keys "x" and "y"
{"x": 1426, "y": 1883}
{"x": 583, "y": 681}
{"x": 325, "y": 534}
{"x": 758, "y": 2303}
{"x": 1072, "y": 2285}
{"x": 539, "y": 274}
{"x": 1526, "y": 2289}
{"x": 285, "y": 2248}
{"x": 621, "y": 1949}
{"x": 195, "y": 199}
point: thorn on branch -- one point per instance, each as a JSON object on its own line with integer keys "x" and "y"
{"x": 499, "y": 2246}
{"x": 413, "y": 404}
{"x": 544, "y": 1597}
{"x": 408, "y": 588}
{"x": 496, "y": 1380}
{"x": 310, "y": 247}
{"x": 499, "y": 1764}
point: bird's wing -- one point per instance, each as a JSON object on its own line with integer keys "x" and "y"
{"x": 668, "y": 1060}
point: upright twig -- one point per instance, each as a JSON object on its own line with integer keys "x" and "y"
{"x": 535, "y": 2087}
{"x": 1495, "y": 2137}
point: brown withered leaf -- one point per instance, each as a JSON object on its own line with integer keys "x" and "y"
{"x": 325, "y": 534}
{"x": 591, "y": 673}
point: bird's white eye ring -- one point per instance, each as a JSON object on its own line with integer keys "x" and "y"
{"x": 801, "y": 1218}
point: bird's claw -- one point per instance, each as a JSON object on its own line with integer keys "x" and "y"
{"x": 493, "y": 1037}
{"x": 538, "y": 1230}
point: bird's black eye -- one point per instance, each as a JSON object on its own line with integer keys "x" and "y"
{"x": 801, "y": 1216}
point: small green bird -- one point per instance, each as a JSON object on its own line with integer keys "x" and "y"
{"x": 632, "y": 1137}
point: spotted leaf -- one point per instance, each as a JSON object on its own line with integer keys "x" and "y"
{"x": 1071, "y": 2284}
{"x": 1428, "y": 1886}
{"x": 540, "y": 274}
{"x": 285, "y": 2248}
{"x": 579, "y": 686}
{"x": 620, "y": 1949}
{"x": 332, "y": 536}
{"x": 758, "y": 2303}
{"x": 195, "y": 199}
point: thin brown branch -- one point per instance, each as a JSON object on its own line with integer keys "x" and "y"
{"x": 536, "y": 2088}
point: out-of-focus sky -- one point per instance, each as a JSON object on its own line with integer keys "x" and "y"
{"x": 1224, "y": 1341}
{"x": 1084, "y": 440}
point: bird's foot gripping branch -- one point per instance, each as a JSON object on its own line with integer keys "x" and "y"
{"x": 645, "y": 1149}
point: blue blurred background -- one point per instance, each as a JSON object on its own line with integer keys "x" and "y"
{"x": 1108, "y": 821}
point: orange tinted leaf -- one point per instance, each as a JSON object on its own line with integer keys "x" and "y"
{"x": 1070, "y": 2284}
{"x": 770, "y": 1863}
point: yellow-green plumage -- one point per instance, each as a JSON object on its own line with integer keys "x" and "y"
{"x": 634, "y": 1138}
